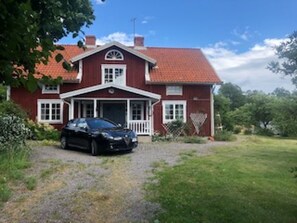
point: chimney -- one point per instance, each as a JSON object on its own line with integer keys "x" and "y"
{"x": 138, "y": 41}
{"x": 91, "y": 41}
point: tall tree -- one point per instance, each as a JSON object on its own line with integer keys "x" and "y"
{"x": 30, "y": 30}
{"x": 234, "y": 94}
{"x": 287, "y": 53}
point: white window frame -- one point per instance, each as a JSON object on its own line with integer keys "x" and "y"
{"x": 113, "y": 66}
{"x": 174, "y": 90}
{"x": 49, "y": 101}
{"x": 142, "y": 110}
{"x": 175, "y": 102}
{"x": 116, "y": 51}
{"x": 47, "y": 91}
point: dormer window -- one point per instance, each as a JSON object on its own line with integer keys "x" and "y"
{"x": 114, "y": 55}
{"x": 113, "y": 73}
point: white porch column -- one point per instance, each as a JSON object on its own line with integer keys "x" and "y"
{"x": 95, "y": 108}
{"x": 128, "y": 113}
{"x": 79, "y": 109}
{"x": 150, "y": 115}
{"x": 71, "y": 109}
{"x": 212, "y": 127}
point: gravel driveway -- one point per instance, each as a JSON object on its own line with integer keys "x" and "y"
{"x": 74, "y": 186}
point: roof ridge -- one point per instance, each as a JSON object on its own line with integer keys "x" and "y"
{"x": 175, "y": 48}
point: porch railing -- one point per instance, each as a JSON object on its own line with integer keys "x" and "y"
{"x": 141, "y": 127}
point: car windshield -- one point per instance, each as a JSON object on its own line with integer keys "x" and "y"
{"x": 100, "y": 124}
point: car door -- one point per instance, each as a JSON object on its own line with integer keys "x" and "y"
{"x": 69, "y": 131}
{"x": 82, "y": 134}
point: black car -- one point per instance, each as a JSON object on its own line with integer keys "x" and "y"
{"x": 97, "y": 135}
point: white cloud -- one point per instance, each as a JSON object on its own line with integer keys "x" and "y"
{"x": 100, "y": 2}
{"x": 248, "y": 69}
{"x": 146, "y": 19}
{"x": 243, "y": 35}
{"x": 126, "y": 39}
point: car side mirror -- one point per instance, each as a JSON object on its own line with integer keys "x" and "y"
{"x": 119, "y": 125}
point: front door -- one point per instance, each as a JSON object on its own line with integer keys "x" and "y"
{"x": 115, "y": 112}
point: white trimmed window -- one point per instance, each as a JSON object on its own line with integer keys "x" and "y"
{"x": 50, "y": 111}
{"x": 114, "y": 55}
{"x": 115, "y": 73}
{"x": 50, "y": 89}
{"x": 136, "y": 111}
{"x": 174, "y": 110}
{"x": 174, "y": 90}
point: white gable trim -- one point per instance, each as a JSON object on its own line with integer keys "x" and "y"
{"x": 104, "y": 86}
{"x": 114, "y": 43}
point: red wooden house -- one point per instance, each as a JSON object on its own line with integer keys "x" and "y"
{"x": 139, "y": 87}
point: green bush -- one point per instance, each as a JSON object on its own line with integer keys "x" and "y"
{"x": 224, "y": 136}
{"x": 264, "y": 132}
{"x": 194, "y": 139}
{"x": 12, "y": 109}
{"x": 237, "y": 130}
{"x": 43, "y": 131}
{"x": 174, "y": 126}
{"x": 248, "y": 131}
{"x": 13, "y": 133}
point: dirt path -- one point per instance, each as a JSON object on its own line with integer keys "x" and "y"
{"x": 73, "y": 186}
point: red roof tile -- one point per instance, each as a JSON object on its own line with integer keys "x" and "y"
{"x": 55, "y": 69}
{"x": 182, "y": 65}
{"x": 174, "y": 65}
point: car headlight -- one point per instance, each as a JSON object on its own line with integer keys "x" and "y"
{"x": 106, "y": 135}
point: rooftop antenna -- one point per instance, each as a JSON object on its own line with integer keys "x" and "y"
{"x": 134, "y": 21}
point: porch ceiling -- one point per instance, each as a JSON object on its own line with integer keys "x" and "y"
{"x": 105, "y": 86}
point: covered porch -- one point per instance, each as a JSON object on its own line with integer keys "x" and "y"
{"x": 134, "y": 112}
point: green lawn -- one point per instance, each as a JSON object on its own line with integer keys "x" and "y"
{"x": 246, "y": 182}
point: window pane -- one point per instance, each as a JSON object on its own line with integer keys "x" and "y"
{"x": 179, "y": 111}
{"x": 169, "y": 111}
{"x": 45, "y": 111}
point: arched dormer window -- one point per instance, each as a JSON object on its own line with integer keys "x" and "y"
{"x": 114, "y": 55}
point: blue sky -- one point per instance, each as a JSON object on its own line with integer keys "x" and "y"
{"x": 237, "y": 36}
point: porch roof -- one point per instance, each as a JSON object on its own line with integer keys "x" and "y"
{"x": 105, "y": 86}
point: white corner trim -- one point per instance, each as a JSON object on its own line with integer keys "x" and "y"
{"x": 146, "y": 71}
{"x": 104, "y": 86}
{"x": 80, "y": 71}
{"x": 117, "y": 44}
{"x": 212, "y": 125}
{"x": 8, "y": 93}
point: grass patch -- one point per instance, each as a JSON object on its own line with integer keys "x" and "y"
{"x": 12, "y": 164}
{"x": 194, "y": 140}
{"x": 31, "y": 183}
{"x": 248, "y": 182}
{"x": 224, "y": 136}
{"x": 5, "y": 192}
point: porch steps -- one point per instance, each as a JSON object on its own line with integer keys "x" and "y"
{"x": 144, "y": 139}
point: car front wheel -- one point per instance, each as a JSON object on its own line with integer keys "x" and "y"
{"x": 64, "y": 143}
{"x": 94, "y": 148}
